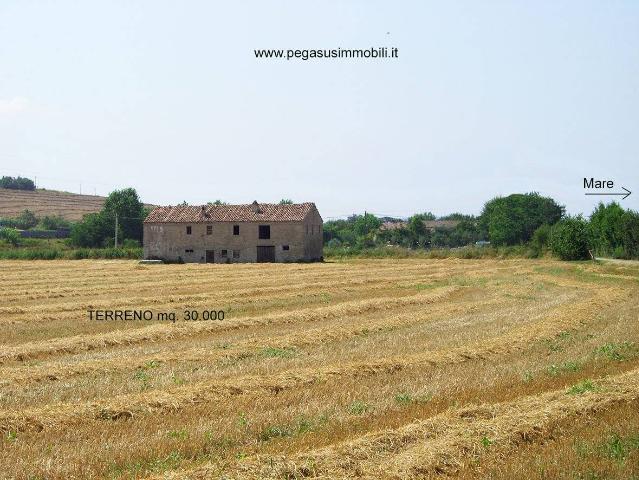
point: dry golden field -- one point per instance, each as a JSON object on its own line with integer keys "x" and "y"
{"x": 361, "y": 369}
{"x": 71, "y": 206}
{"x": 44, "y": 202}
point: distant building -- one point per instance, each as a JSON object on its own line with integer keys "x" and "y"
{"x": 234, "y": 233}
{"x": 431, "y": 225}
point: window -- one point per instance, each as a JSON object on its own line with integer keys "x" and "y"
{"x": 236, "y": 254}
{"x": 265, "y": 232}
{"x": 225, "y": 253}
{"x": 188, "y": 250}
{"x": 209, "y": 229}
{"x": 188, "y": 230}
{"x": 284, "y": 247}
{"x": 236, "y": 229}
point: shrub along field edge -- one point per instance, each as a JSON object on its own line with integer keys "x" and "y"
{"x": 515, "y": 251}
{"x": 519, "y": 251}
{"x": 71, "y": 254}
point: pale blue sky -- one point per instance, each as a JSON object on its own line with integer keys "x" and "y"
{"x": 486, "y": 98}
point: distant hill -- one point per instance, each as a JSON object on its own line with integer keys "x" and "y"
{"x": 70, "y": 206}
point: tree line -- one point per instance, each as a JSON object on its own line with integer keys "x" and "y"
{"x": 17, "y": 183}
{"x": 539, "y": 223}
{"x": 528, "y": 219}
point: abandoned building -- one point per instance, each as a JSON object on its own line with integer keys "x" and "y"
{"x": 255, "y": 232}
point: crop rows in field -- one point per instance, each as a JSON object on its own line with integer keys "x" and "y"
{"x": 41, "y": 202}
{"x": 303, "y": 375}
{"x": 71, "y": 206}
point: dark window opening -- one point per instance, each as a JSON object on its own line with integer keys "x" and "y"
{"x": 236, "y": 254}
{"x": 188, "y": 230}
{"x": 225, "y": 253}
{"x": 236, "y": 229}
{"x": 284, "y": 247}
{"x": 188, "y": 250}
{"x": 209, "y": 229}
{"x": 265, "y": 232}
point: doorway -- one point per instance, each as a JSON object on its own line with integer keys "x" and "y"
{"x": 210, "y": 256}
{"x": 265, "y": 254}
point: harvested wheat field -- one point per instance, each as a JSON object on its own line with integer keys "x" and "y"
{"x": 360, "y": 369}
{"x": 71, "y": 206}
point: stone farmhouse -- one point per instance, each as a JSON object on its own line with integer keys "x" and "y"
{"x": 255, "y": 232}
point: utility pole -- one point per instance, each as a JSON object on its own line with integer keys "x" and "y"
{"x": 116, "y": 230}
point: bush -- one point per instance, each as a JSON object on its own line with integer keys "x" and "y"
{"x": 24, "y": 221}
{"x": 30, "y": 254}
{"x": 130, "y": 243}
{"x": 540, "y": 240}
{"x": 75, "y": 254}
{"x": 570, "y": 240}
{"x": 10, "y": 235}
{"x": 53, "y": 222}
{"x": 334, "y": 243}
{"x": 27, "y": 219}
{"x": 516, "y": 251}
{"x": 90, "y": 232}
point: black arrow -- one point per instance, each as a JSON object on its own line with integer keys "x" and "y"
{"x": 625, "y": 194}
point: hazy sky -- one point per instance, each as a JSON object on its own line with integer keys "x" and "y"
{"x": 486, "y": 98}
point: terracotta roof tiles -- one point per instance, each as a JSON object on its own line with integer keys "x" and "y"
{"x": 253, "y": 212}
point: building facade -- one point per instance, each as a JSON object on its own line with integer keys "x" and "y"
{"x": 234, "y": 233}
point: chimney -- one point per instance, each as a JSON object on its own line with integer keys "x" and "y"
{"x": 256, "y": 207}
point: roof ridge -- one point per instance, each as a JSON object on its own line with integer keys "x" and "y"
{"x": 245, "y": 212}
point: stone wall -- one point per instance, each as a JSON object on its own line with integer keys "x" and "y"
{"x": 169, "y": 241}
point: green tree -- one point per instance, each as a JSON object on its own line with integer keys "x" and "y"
{"x": 541, "y": 239}
{"x": 416, "y": 225}
{"x": 606, "y": 228}
{"x": 365, "y": 224}
{"x": 407, "y": 238}
{"x": 286, "y": 201}
{"x": 428, "y": 216}
{"x": 91, "y": 231}
{"x": 98, "y": 229}
{"x": 26, "y": 219}
{"x": 439, "y": 238}
{"x": 130, "y": 211}
{"x": 418, "y": 234}
{"x": 457, "y": 216}
{"x": 630, "y": 233}
{"x": 569, "y": 239}
{"x": 513, "y": 219}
